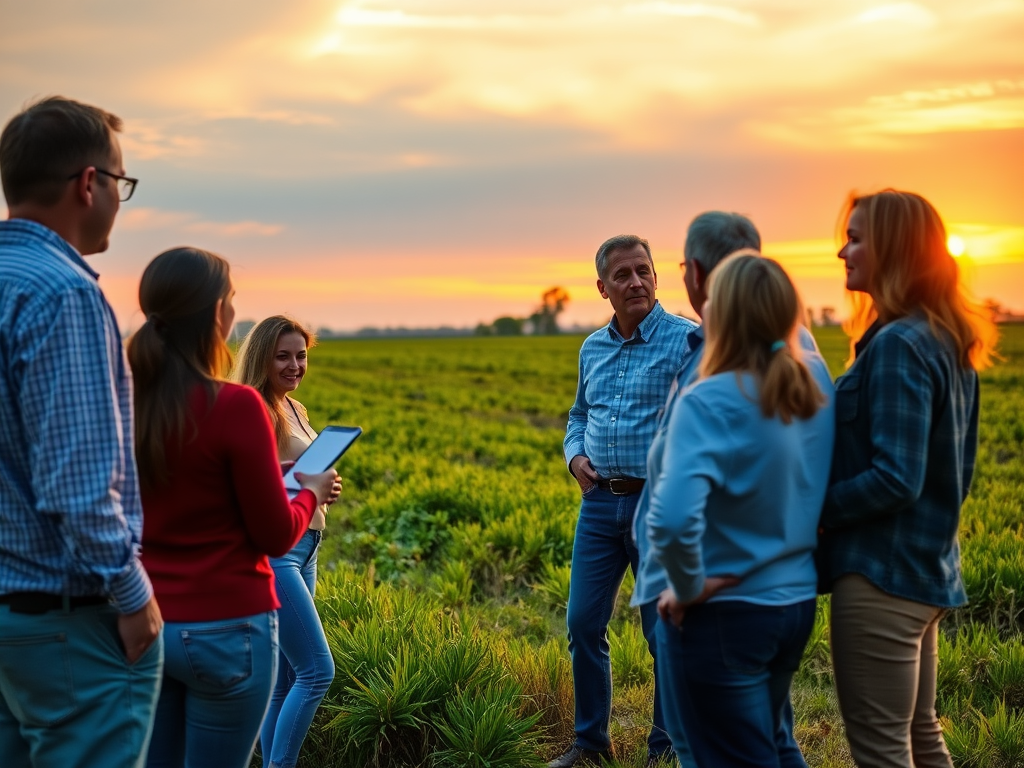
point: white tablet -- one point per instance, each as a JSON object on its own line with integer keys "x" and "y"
{"x": 321, "y": 454}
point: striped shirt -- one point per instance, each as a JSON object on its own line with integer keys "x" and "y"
{"x": 70, "y": 514}
{"x": 622, "y": 387}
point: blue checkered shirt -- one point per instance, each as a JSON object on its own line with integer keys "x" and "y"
{"x": 622, "y": 387}
{"x": 70, "y": 513}
{"x": 906, "y": 440}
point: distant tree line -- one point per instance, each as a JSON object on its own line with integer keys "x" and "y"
{"x": 543, "y": 322}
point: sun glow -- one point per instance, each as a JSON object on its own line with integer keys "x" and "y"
{"x": 955, "y": 245}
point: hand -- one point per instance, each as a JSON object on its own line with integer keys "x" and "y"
{"x": 670, "y": 609}
{"x": 673, "y": 610}
{"x": 584, "y": 472}
{"x": 712, "y": 586}
{"x": 335, "y": 492}
{"x": 139, "y": 630}
{"x": 320, "y": 484}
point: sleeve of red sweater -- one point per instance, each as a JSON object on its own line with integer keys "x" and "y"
{"x": 274, "y": 523}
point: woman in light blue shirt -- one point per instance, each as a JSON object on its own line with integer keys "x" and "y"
{"x": 733, "y": 520}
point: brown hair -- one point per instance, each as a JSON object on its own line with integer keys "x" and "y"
{"x": 253, "y": 364}
{"x": 47, "y": 142}
{"x": 912, "y": 270}
{"x": 750, "y": 327}
{"x": 177, "y": 348}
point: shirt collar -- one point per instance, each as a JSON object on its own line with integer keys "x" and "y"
{"x": 864, "y": 340}
{"x": 29, "y": 228}
{"x": 644, "y": 330}
{"x": 695, "y": 338}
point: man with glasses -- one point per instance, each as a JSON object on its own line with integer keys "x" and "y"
{"x": 80, "y": 645}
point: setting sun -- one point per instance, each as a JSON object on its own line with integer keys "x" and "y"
{"x": 955, "y": 244}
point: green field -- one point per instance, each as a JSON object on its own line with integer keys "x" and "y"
{"x": 444, "y": 572}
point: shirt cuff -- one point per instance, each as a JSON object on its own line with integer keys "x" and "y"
{"x": 572, "y": 450}
{"x": 131, "y": 589}
{"x": 686, "y": 587}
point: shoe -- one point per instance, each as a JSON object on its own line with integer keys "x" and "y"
{"x": 581, "y": 757}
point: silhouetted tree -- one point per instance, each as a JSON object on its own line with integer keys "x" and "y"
{"x": 545, "y": 320}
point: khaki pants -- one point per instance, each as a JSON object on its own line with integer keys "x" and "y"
{"x": 885, "y": 654}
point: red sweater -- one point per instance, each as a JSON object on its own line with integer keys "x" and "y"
{"x": 206, "y": 536}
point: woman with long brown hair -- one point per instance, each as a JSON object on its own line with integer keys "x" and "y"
{"x": 273, "y": 360}
{"x": 906, "y": 437}
{"x": 214, "y": 507}
{"x": 738, "y": 481}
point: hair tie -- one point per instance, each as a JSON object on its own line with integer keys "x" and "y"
{"x": 777, "y": 345}
{"x": 158, "y": 325}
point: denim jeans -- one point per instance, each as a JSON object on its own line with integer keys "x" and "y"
{"x": 68, "y": 696}
{"x": 602, "y": 550}
{"x": 305, "y": 666}
{"x": 725, "y": 678}
{"x": 217, "y": 681}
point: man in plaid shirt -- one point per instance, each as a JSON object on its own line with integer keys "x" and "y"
{"x": 80, "y": 647}
{"x": 626, "y": 369}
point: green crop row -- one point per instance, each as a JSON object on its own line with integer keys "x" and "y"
{"x": 454, "y": 535}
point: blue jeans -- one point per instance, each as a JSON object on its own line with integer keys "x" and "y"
{"x": 602, "y": 550}
{"x": 305, "y": 667}
{"x": 217, "y": 681}
{"x": 68, "y": 696}
{"x": 725, "y": 678}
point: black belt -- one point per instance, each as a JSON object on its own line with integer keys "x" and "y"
{"x": 621, "y": 486}
{"x": 34, "y": 603}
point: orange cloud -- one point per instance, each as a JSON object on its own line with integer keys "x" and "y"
{"x": 142, "y": 219}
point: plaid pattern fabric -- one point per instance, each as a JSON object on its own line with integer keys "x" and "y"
{"x": 622, "y": 387}
{"x": 70, "y": 514}
{"x": 906, "y": 440}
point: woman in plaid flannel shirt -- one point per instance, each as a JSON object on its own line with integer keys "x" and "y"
{"x": 906, "y": 438}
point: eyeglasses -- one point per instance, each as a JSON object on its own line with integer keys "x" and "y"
{"x": 125, "y": 184}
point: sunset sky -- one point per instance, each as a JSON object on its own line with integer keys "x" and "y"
{"x": 402, "y": 162}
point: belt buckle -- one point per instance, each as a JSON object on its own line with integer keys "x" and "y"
{"x": 618, "y": 486}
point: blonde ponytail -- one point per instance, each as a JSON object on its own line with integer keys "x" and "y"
{"x": 751, "y": 326}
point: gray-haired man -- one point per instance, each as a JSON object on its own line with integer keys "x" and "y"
{"x": 711, "y": 238}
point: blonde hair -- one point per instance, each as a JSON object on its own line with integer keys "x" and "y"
{"x": 178, "y": 347}
{"x": 750, "y": 326}
{"x": 255, "y": 356}
{"x": 911, "y": 270}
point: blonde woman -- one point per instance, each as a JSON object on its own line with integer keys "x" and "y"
{"x": 906, "y": 436}
{"x": 733, "y": 518}
{"x": 272, "y": 360}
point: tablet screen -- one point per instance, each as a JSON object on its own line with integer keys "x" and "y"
{"x": 321, "y": 454}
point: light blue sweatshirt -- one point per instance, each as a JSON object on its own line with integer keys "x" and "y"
{"x": 739, "y": 494}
